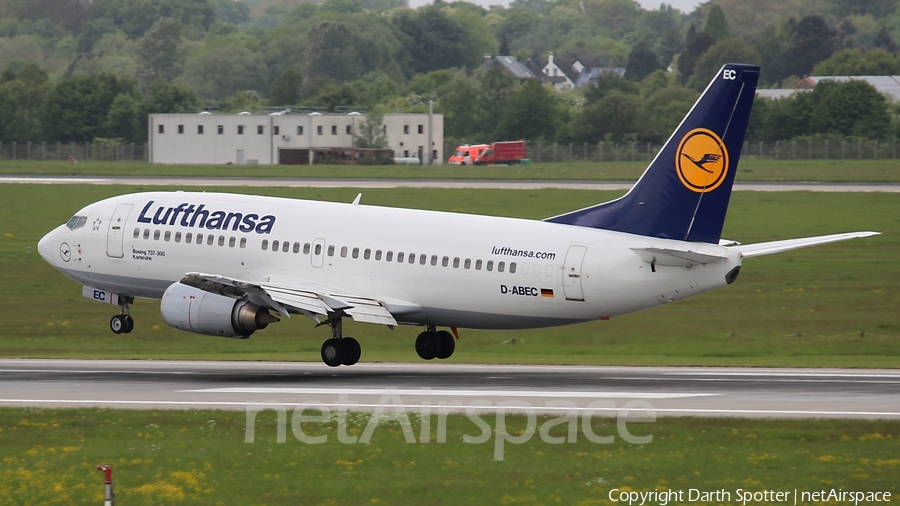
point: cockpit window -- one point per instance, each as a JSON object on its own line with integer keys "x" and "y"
{"x": 81, "y": 222}
{"x": 74, "y": 221}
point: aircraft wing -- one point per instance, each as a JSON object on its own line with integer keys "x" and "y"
{"x": 296, "y": 296}
{"x": 767, "y": 248}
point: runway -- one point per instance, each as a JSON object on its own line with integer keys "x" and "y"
{"x": 670, "y": 391}
{"x": 425, "y": 183}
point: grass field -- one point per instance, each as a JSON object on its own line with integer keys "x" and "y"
{"x": 834, "y": 305}
{"x": 750, "y": 169}
{"x": 200, "y": 457}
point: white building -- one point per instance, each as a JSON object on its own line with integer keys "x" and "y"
{"x": 283, "y": 138}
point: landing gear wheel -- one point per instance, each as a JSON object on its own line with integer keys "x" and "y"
{"x": 352, "y": 351}
{"x": 118, "y": 324}
{"x": 446, "y": 344}
{"x": 427, "y": 345}
{"x": 129, "y": 324}
{"x": 333, "y": 352}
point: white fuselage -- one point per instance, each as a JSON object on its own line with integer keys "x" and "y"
{"x": 551, "y": 274}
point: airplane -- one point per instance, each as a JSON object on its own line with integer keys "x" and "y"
{"x": 221, "y": 264}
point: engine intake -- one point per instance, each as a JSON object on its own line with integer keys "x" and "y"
{"x": 191, "y": 309}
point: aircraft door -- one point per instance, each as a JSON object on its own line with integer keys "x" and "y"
{"x": 572, "y": 273}
{"x": 115, "y": 234}
{"x": 318, "y": 253}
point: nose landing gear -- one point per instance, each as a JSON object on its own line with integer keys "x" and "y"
{"x": 122, "y": 323}
{"x": 433, "y": 344}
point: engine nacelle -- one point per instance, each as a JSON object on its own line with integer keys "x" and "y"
{"x": 188, "y": 308}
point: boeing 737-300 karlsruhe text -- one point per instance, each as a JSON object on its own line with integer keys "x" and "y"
{"x": 222, "y": 264}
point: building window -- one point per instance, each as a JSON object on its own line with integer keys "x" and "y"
{"x": 220, "y": 129}
{"x": 306, "y": 249}
{"x": 300, "y": 130}
{"x": 349, "y": 130}
{"x": 387, "y": 256}
{"x": 421, "y": 129}
{"x": 161, "y": 129}
{"x": 275, "y": 130}
{"x": 181, "y": 129}
{"x": 378, "y": 254}
{"x": 478, "y": 265}
{"x": 434, "y": 154}
{"x": 433, "y": 259}
{"x": 468, "y": 264}
{"x": 456, "y": 262}
{"x": 490, "y": 265}
{"x": 422, "y": 259}
{"x": 199, "y": 239}
{"x": 200, "y": 129}
{"x": 512, "y": 268}
{"x": 318, "y": 250}
{"x": 333, "y": 129}
{"x": 260, "y": 129}
{"x": 146, "y": 233}
{"x": 319, "y": 130}
{"x": 240, "y": 129}
{"x": 406, "y": 129}
{"x": 384, "y": 129}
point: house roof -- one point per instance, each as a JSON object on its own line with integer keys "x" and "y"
{"x": 514, "y": 66}
{"x": 888, "y": 85}
{"x": 592, "y": 73}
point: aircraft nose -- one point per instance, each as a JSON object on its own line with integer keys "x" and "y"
{"x": 45, "y": 248}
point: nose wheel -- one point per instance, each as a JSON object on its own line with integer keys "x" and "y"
{"x": 433, "y": 344}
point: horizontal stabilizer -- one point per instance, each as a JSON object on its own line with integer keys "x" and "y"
{"x": 767, "y": 248}
{"x": 677, "y": 257}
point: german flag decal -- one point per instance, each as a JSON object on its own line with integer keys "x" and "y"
{"x": 546, "y": 292}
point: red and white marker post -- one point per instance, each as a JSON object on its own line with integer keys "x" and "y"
{"x": 109, "y": 495}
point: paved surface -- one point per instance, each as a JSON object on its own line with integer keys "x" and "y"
{"x": 425, "y": 183}
{"x": 743, "y": 392}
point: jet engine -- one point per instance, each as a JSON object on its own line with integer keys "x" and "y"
{"x": 189, "y": 308}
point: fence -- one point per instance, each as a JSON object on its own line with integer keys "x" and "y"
{"x": 76, "y": 151}
{"x": 644, "y": 152}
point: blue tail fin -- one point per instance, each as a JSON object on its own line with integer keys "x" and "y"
{"x": 684, "y": 193}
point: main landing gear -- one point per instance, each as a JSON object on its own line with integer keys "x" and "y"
{"x": 340, "y": 350}
{"x": 435, "y": 344}
{"x": 122, "y": 323}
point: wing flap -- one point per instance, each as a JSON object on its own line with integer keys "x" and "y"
{"x": 768, "y": 248}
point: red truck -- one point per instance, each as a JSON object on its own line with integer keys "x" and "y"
{"x": 502, "y": 153}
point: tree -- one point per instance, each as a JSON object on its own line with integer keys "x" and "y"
{"x": 530, "y": 113}
{"x": 727, "y": 51}
{"x": 812, "y": 41}
{"x": 286, "y": 89}
{"x": 695, "y": 44}
{"x": 219, "y": 73}
{"x": 77, "y": 108}
{"x": 123, "y": 118}
{"x": 849, "y": 108}
{"x": 157, "y": 52}
{"x": 331, "y": 53}
{"x": 435, "y": 40}
{"x": 22, "y": 96}
{"x": 496, "y": 88}
{"x": 641, "y": 62}
{"x": 716, "y": 25}
{"x": 370, "y": 132}
{"x": 610, "y": 118}
{"x": 456, "y": 101}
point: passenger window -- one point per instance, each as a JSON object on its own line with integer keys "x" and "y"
{"x": 199, "y": 239}
{"x": 400, "y": 256}
{"x": 137, "y": 233}
{"x": 167, "y": 236}
{"x": 490, "y": 265}
{"x": 445, "y": 261}
{"x": 412, "y": 258}
{"x": 512, "y": 268}
{"x": 306, "y": 249}
{"x": 188, "y": 237}
{"x": 243, "y": 242}
{"x": 318, "y": 249}
{"x": 331, "y": 250}
{"x": 296, "y": 247}
{"x": 156, "y": 235}
{"x": 355, "y": 253}
{"x": 210, "y": 239}
{"x": 275, "y": 245}
{"x": 367, "y": 254}
{"x": 456, "y": 262}
{"x": 285, "y": 246}
{"x": 177, "y": 236}
{"x": 146, "y": 233}
{"x": 501, "y": 266}
{"x": 343, "y": 252}
{"x": 388, "y": 256}
{"x": 221, "y": 240}
{"x": 478, "y": 264}
{"x": 468, "y": 263}
{"x": 433, "y": 259}
{"x": 378, "y": 254}
{"x": 422, "y": 259}
{"x": 231, "y": 241}
{"x": 265, "y": 244}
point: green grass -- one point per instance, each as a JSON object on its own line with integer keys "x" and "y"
{"x": 751, "y": 169}
{"x": 833, "y": 305}
{"x": 200, "y": 457}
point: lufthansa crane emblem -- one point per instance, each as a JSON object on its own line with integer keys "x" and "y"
{"x": 701, "y": 160}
